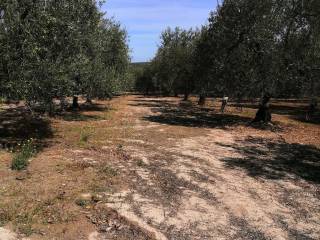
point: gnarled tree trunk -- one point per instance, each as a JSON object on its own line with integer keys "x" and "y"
{"x": 50, "y": 108}
{"x": 202, "y": 100}
{"x": 263, "y": 114}
{"x": 186, "y": 97}
{"x": 75, "y": 102}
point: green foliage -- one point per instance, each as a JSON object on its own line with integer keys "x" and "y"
{"x": 178, "y": 65}
{"x": 135, "y": 72}
{"x": 55, "y": 49}
{"x": 83, "y": 202}
{"x": 171, "y": 71}
{"x": 21, "y": 158}
{"x": 252, "y": 47}
{"x": 247, "y": 48}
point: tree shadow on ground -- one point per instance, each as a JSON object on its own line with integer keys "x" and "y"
{"x": 292, "y": 233}
{"x": 276, "y": 159}
{"x": 280, "y": 109}
{"x": 17, "y": 124}
{"x": 79, "y": 117}
{"x": 315, "y": 119}
{"x": 243, "y": 230}
{"x": 295, "y": 110}
{"x": 83, "y": 113}
{"x": 93, "y": 107}
{"x": 188, "y": 115}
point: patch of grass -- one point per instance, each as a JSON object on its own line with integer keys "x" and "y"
{"x": 99, "y": 188}
{"x": 109, "y": 114}
{"x": 77, "y": 117}
{"x": 56, "y": 214}
{"x": 6, "y": 214}
{"x": 21, "y": 158}
{"x": 25, "y": 229}
{"x": 85, "y": 134}
{"x": 140, "y": 163}
{"x": 50, "y": 211}
{"x": 83, "y": 202}
{"x": 109, "y": 171}
{"x": 23, "y": 223}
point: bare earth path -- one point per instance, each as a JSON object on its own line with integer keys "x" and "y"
{"x": 185, "y": 173}
{"x": 215, "y": 181}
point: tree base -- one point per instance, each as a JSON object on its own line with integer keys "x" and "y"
{"x": 263, "y": 115}
{"x": 75, "y": 103}
{"x": 202, "y": 101}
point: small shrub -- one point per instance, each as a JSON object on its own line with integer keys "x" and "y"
{"x": 21, "y": 158}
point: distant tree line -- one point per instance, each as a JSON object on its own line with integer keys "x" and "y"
{"x": 248, "y": 48}
{"x": 57, "y": 49}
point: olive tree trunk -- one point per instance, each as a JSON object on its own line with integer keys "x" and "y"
{"x": 264, "y": 114}
{"x": 202, "y": 99}
{"x": 75, "y": 102}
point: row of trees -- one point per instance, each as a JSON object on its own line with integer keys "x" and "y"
{"x": 56, "y": 49}
{"x": 248, "y": 48}
{"x": 171, "y": 71}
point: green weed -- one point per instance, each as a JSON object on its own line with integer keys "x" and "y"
{"x": 85, "y": 134}
{"x": 83, "y": 202}
{"x": 21, "y": 158}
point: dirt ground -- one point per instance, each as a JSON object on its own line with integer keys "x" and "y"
{"x": 157, "y": 168}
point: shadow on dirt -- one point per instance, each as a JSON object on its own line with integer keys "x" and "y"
{"x": 169, "y": 112}
{"x": 79, "y": 117}
{"x": 189, "y": 115}
{"x": 292, "y": 233}
{"x": 296, "y": 110}
{"x": 276, "y": 160}
{"x": 245, "y": 231}
{"x": 83, "y": 113}
{"x": 301, "y": 118}
{"x": 18, "y": 125}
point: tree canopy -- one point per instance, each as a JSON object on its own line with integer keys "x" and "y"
{"x": 54, "y": 49}
{"x": 246, "y": 49}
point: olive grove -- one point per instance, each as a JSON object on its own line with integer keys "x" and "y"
{"x": 57, "y": 49}
{"x": 247, "y": 49}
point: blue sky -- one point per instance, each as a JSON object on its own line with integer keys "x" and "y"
{"x": 145, "y": 20}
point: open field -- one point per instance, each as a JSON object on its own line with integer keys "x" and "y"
{"x": 142, "y": 167}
